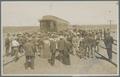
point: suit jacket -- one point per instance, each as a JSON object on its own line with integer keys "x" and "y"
{"x": 53, "y": 45}
{"x": 61, "y": 44}
{"x": 29, "y": 49}
{"x": 108, "y": 42}
{"x": 68, "y": 45}
{"x": 7, "y": 42}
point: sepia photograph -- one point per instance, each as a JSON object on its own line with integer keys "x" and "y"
{"x": 59, "y": 38}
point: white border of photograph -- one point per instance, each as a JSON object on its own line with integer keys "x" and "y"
{"x": 59, "y": 74}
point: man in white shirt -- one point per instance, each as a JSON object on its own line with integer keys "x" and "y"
{"x": 15, "y": 48}
{"x": 15, "y": 43}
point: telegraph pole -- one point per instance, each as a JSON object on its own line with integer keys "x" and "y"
{"x": 50, "y": 8}
{"x": 110, "y": 24}
{"x": 110, "y": 21}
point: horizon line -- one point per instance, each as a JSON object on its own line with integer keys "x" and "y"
{"x": 70, "y": 25}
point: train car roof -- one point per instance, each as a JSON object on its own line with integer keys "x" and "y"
{"x": 50, "y": 17}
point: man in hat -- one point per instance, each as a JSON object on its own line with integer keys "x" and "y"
{"x": 67, "y": 51}
{"x": 46, "y": 48}
{"x": 86, "y": 45}
{"x": 7, "y": 44}
{"x": 60, "y": 47}
{"x": 52, "y": 50}
{"x": 74, "y": 43}
{"x": 15, "y": 47}
{"x": 20, "y": 40}
{"x": 69, "y": 39}
{"x": 29, "y": 54}
{"x": 97, "y": 40}
{"x": 108, "y": 43}
{"x": 106, "y": 32}
{"x": 81, "y": 51}
{"x": 63, "y": 51}
{"x": 92, "y": 45}
{"x": 40, "y": 46}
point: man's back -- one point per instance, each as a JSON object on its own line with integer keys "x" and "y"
{"x": 61, "y": 44}
{"x": 7, "y": 41}
{"x": 29, "y": 49}
{"x": 108, "y": 41}
{"x": 52, "y": 45}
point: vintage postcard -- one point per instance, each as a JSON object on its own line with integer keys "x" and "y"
{"x": 65, "y": 38}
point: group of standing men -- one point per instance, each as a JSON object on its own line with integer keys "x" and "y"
{"x": 57, "y": 45}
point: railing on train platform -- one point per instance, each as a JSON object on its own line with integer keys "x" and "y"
{"x": 103, "y": 57}
{"x": 14, "y": 59}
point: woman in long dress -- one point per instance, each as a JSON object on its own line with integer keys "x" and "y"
{"x": 46, "y": 49}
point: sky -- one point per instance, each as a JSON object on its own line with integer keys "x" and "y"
{"x": 28, "y": 13}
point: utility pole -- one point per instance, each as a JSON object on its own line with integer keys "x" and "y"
{"x": 50, "y": 8}
{"x": 110, "y": 24}
{"x": 110, "y": 21}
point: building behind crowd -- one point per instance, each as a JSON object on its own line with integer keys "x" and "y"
{"x": 53, "y": 24}
{"x": 113, "y": 27}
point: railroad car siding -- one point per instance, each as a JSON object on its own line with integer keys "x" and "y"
{"x": 51, "y": 23}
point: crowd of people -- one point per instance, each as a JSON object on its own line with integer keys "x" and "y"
{"x": 57, "y": 45}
